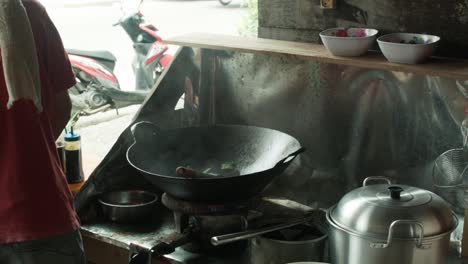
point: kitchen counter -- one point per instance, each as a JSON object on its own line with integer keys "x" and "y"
{"x": 148, "y": 236}
{"x": 161, "y": 228}
{"x": 122, "y": 235}
{"x": 119, "y": 237}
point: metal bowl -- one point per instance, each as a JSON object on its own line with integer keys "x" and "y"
{"x": 128, "y": 206}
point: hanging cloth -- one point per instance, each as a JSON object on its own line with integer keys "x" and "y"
{"x": 18, "y": 54}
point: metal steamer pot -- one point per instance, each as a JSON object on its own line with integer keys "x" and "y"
{"x": 385, "y": 223}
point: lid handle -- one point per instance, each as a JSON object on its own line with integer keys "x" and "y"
{"x": 376, "y": 178}
{"x": 395, "y": 192}
{"x": 391, "y": 229}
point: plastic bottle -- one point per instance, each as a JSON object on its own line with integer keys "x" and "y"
{"x": 73, "y": 161}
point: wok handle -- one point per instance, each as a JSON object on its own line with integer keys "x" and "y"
{"x": 143, "y": 130}
{"x": 288, "y": 159}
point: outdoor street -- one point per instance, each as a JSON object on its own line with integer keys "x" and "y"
{"x": 87, "y": 24}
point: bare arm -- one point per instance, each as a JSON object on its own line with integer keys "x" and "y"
{"x": 61, "y": 113}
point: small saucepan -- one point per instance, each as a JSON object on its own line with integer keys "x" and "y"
{"x": 130, "y": 206}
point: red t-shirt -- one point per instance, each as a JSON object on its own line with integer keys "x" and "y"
{"x": 35, "y": 201}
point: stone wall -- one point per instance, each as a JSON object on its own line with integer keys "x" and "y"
{"x": 302, "y": 20}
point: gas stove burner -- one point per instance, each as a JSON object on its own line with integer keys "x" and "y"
{"x": 199, "y": 208}
{"x": 209, "y": 218}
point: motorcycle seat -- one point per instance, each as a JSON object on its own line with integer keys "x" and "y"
{"x": 98, "y": 54}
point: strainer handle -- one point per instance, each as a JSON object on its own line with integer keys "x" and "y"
{"x": 376, "y": 178}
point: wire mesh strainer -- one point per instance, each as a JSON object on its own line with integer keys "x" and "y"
{"x": 450, "y": 178}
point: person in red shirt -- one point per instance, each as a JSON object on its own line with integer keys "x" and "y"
{"x": 38, "y": 222}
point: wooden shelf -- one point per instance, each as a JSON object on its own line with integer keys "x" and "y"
{"x": 443, "y": 67}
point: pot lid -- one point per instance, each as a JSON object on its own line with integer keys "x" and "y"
{"x": 370, "y": 210}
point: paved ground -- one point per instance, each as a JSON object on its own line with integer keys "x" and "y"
{"x": 87, "y": 24}
{"x": 100, "y": 132}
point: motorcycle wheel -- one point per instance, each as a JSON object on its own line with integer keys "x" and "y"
{"x": 225, "y": 2}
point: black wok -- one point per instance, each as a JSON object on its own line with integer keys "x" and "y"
{"x": 258, "y": 155}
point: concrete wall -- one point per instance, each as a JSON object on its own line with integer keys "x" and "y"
{"x": 302, "y": 20}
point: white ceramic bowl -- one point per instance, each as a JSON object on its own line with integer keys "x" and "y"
{"x": 351, "y": 46}
{"x": 395, "y": 51}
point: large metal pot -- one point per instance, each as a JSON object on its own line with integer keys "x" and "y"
{"x": 385, "y": 223}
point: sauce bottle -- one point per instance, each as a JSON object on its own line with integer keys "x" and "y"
{"x": 73, "y": 161}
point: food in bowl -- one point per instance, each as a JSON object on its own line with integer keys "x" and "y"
{"x": 414, "y": 40}
{"x": 348, "y": 42}
{"x": 357, "y": 32}
{"x": 407, "y": 48}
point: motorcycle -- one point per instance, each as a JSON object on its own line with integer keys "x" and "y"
{"x": 97, "y": 88}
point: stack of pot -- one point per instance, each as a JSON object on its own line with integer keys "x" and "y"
{"x": 385, "y": 223}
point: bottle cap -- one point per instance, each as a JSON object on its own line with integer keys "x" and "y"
{"x": 71, "y": 136}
